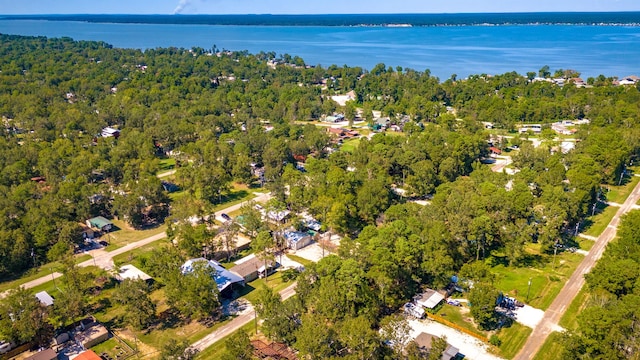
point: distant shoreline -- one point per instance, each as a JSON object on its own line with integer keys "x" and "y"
{"x": 631, "y": 19}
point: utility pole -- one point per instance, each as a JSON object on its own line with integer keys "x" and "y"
{"x": 529, "y": 290}
{"x": 53, "y": 278}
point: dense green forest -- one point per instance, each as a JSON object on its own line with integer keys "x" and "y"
{"x": 210, "y": 110}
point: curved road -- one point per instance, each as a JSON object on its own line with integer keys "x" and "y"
{"x": 557, "y": 308}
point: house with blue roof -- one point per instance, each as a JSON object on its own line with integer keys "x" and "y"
{"x": 223, "y": 277}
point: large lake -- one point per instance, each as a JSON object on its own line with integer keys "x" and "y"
{"x": 461, "y": 50}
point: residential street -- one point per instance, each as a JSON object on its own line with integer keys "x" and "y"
{"x": 557, "y": 308}
{"x": 104, "y": 259}
{"x": 246, "y": 316}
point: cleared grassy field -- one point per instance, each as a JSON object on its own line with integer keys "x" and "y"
{"x": 124, "y": 234}
{"x": 547, "y": 276}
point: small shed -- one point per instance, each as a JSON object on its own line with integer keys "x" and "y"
{"x": 101, "y": 223}
{"x": 425, "y": 340}
{"x": 45, "y": 298}
{"x": 429, "y": 299}
{"x": 296, "y": 240}
{"x": 131, "y": 272}
{"x": 48, "y": 354}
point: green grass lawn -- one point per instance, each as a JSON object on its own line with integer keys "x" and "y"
{"x": 547, "y": 279}
{"x": 618, "y": 194}
{"x": 595, "y": 225}
{"x": 584, "y": 244}
{"x": 551, "y": 349}
{"x": 166, "y": 164}
{"x": 113, "y": 348}
{"x": 300, "y": 260}
{"x": 512, "y": 339}
{"x": 134, "y": 256}
{"x": 216, "y": 350}
{"x": 569, "y": 320}
{"x": 350, "y": 145}
{"x": 124, "y": 235}
{"x": 40, "y": 271}
{"x": 460, "y": 316}
{"x": 274, "y": 281}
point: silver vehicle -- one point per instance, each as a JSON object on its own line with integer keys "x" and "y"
{"x": 5, "y": 347}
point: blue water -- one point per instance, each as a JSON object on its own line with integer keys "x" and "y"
{"x": 461, "y": 50}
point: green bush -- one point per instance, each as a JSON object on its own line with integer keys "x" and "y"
{"x": 495, "y": 340}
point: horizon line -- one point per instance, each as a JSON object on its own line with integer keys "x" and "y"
{"x": 324, "y": 14}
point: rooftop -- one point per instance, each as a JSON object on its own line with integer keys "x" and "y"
{"x": 45, "y": 298}
{"x": 131, "y": 272}
{"x": 223, "y": 277}
{"x": 429, "y": 299}
{"x": 424, "y": 340}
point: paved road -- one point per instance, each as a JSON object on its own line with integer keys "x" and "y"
{"x": 104, "y": 259}
{"x": 245, "y": 317}
{"x": 553, "y": 314}
{"x": 99, "y": 257}
{"x": 166, "y": 173}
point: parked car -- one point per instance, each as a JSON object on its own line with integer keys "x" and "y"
{"x": 5, "y": 347}
{"x": 226, "y": 217}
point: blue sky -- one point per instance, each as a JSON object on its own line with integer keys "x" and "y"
{"x": 305, "y": 6}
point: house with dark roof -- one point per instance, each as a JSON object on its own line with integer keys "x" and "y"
{"x": 48, "y": 354}
{"x": 252, "y": 267}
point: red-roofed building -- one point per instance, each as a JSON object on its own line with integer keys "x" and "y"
{"x": 88, "y": 355}
{"x": 495, "y": 150}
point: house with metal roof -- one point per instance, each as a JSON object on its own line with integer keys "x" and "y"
{"x": 429, "y": 299}
{"x": 223, "y": 277}
{"x": 45, "y": 298}
{"x": 101, "y": 223}
{"x": 296, "y": 240}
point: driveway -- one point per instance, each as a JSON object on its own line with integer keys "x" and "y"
{"x": 467, "y": 345}
{"x": 549, "y": 322}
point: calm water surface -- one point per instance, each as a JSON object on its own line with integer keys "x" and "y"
{"x": 461, "y": 50}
